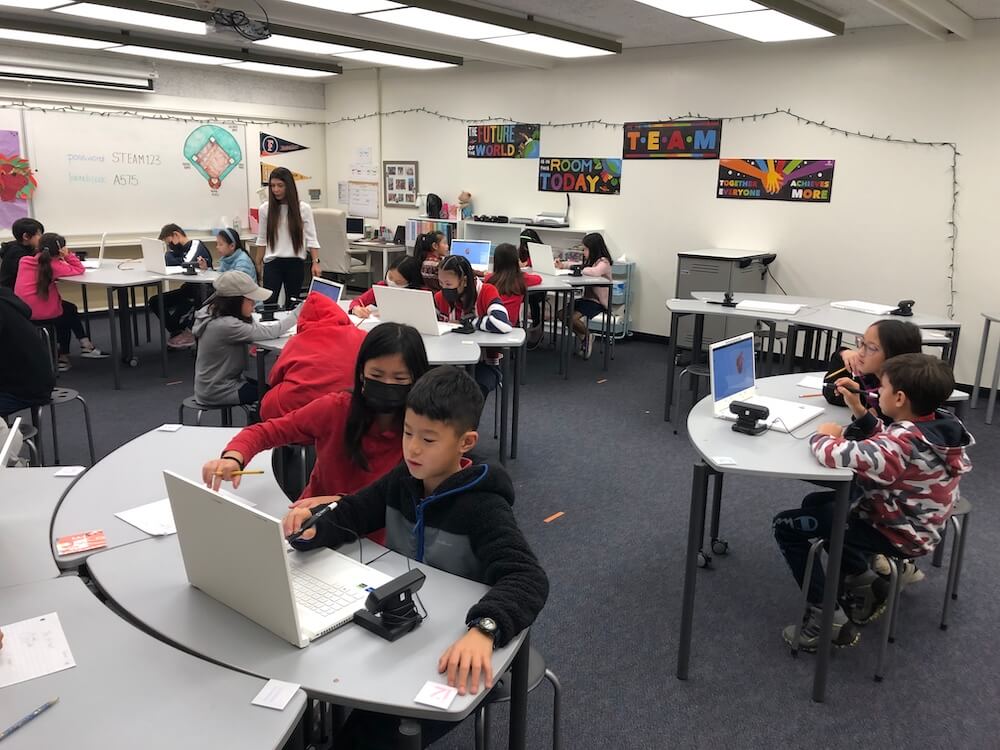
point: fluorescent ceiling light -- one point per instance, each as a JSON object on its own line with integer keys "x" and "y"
{"x": 32, "y": 4}
{"x": 692, "y": 8}
{"x": 766, "y": 26}
{"x": 349, "y": 6}
{"x": 281, "y": 70}
{"x": 442, "y": 23}
{"x": 75, "y": 78}
{"x": 168, "y": 54}
{"x": 33, "y": 37}
{"x": 310, "y": 46}
{"x": 134, "y": 18}
{"x": 399, "y": 61}
{"x": 547, "y": 45}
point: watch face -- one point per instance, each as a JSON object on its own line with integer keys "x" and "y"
{"x": 487, "y": 624}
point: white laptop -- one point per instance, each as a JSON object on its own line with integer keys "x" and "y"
{"x": 327, "y": 288}
{"x": 7, "y": 449}
{"x": 238, "y": 555}
{"x": 477, "y": 252}
{"x": 94, "y": 264}
{"x": 153, "y": 260}
{"x": 414, "y": 307}
{"x": 732, "y": 372}
{"x": 542, "y": 260}
{"x": 871, "y": 308}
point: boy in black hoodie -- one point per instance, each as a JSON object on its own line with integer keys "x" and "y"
{"x": 441, "y": 509}
{"x": 27, "y": 234}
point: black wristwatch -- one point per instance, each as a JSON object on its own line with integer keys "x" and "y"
{"x": 487, "y": 626}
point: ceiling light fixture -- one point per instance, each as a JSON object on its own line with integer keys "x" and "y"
{"x": 394, "y": 60}
{"x": 349, "y": 6}
{"x": 309, "y": 46}
{"x": 547, "y": 45}
{"x": 157, "y": 53}
{"x": 66, "y": 77}
{"x": 693, "y": 8}
{"x": 32, "y": 4}
{"x": 762, "y": 20}
{"x": 156, "y": 21}
{"x": 442, "y": 23}
{"x": 281, "y": 70}
{"x": 33, "y": 37}
{"x": 766, "y": 26}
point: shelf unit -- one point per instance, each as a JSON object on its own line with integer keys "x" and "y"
{"x": 421, "y": 225}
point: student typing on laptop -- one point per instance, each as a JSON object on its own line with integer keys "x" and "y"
{"x": 440, "y": 508}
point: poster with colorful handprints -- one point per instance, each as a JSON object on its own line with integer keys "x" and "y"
{"x": 795, "y": 180}
{"x": 17, "y": 181}
{"x": 580, "y": 175}
{"x": 512, "y": 141}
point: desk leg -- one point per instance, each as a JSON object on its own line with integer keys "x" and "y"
{"x": 125, "y": 326}
{"x": 698, "y": 339}
{"x": 671, "y": 366}
{"x": 791, "y": 344}
{"x": 504, "y": 403}
{"x": 516, "y": 397}
{"x": 524, "y": 325}
{"x": 86, "y": 311}
{"x": 992, "y": 402}
{"x": 408, "y": 737}
{"x": 770, "y": 345}
{"x": 568, "y": 335}
{"x": 696, "y": 522}
{"x": 115, "y": 362}
{"x": 607, "y": 330}
{"x": 979, "y": 364}
{"x": 261, "y": 374}
{"x": 517, "y": 739}
{"x": 842, "y": 504}
{"x": 953, "y": 353}
{"x": 162, "y": 290}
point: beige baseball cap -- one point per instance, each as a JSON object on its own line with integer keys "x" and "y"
{"x": 238, "y": 284}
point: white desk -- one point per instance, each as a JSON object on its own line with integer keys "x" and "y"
{"x": 129, "y": 690}
{"x": 28, "y": 498}
{"x": 556, "y": 286}
{"x": 374, "y": 246}
{"x": 984, "y": 342}
{"x": 756, "y": 297}
{"x": 132, "y": 475}
{"x": 349, "y": 667}
{"x": 772, "y": 454}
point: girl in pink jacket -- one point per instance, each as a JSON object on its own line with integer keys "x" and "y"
{"x": 36, "y": 285}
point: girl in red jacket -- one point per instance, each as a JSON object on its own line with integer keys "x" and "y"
{"x": 358, "y": 435}
{"x": 404, "y": 272}
{"x": 511, "y": 282}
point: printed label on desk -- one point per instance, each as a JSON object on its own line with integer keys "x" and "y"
{"x": 723, "y": 461}
{"x": 275, "y": 694}
{"x": 168, "y": 428}
{"x": 436, "y": 694}
{"x": 83, "y": 542}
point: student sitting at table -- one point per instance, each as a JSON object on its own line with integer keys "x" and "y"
{"x": 179, "y": 304}
{"x": 357, "y": 434}
{"x": 596, "y": 262}
{"x": 430, "y": 249}
{"x": 36, "y": 285}
{"x": 463, "y": 296}
{"x": 26, "y": 376}
{"x": 906, "y": 482}
{"x": 535, "y": 299}
{"x": 27, "y": 234}
{"x": 319, "y": 359}
{"x": 224, "y": 327}
{"x": 232, "y": 255}
{"x": 404, "y": 273}
{"x": 510, "y": 281}
{"x": 441, "y": 509}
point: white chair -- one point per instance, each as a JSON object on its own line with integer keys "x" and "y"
{"x": 331, "y": 231}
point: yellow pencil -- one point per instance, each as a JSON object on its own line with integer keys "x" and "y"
{"x": 241, "y": 473}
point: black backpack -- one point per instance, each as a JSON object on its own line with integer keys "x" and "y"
{"x": 433, "y": 206}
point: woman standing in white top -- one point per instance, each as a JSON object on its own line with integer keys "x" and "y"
{"x": 288, "y": 235}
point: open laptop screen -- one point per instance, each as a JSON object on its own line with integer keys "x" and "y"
{"x": 732, "y": 367}
{"x": 330, "y": 289}
{"x": 477, "y": 252}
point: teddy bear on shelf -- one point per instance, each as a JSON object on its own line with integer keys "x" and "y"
{"x": 464, "y": 205}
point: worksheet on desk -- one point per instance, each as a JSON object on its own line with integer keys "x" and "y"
{"x": 33, "y": 648}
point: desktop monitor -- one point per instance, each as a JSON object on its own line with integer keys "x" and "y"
{"x": 355, "y": 225}
{"x": 731, "y": 365}
{"x": 477, "y": 252}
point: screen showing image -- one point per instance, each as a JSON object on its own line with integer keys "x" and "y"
{"x": 326, "y": 288}
{"x": 732, "y": 368}
{"x": 477, "y": 252}
{"x": 355, "y": 225}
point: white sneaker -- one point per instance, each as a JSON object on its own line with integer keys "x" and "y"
{"x": 93, "y": 353}
{"x": 588, "y": 346}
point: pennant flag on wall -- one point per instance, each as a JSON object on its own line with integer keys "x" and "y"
{"x": 266, "y": 169}
{"x": 272, "y": 144}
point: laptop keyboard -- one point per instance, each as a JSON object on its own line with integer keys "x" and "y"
{"x": 321, "y": 597}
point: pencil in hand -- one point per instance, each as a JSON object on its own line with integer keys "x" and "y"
{"x": 245, "y": 472}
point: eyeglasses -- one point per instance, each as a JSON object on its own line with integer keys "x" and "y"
{"x": 864, "y": 346}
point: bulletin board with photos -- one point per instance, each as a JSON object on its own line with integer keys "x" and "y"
{"x": 400, "y": 184}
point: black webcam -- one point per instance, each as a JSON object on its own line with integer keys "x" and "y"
{"x": 749, "y": 417}
{"x": 905, "y": 308}
{"x": 389, "y": 610}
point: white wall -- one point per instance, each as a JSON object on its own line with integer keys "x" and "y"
{"x": 883, "y": 237}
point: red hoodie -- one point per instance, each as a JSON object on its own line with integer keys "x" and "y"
{"x": 513, "y": 301}
{"x": 317, "y": 360}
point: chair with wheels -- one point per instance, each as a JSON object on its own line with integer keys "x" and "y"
{"x": 537, "y": 672}
{"x": 334, "y": 255}
{"x": 225, "y": 410}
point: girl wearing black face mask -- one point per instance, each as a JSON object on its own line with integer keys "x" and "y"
{"x": 358, "y": 435}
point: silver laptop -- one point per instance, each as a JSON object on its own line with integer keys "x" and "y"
{"x": 327, "y": 288}
{"x": 153, "y": 260}
{"x": 94, "y": 264}
{"x": 415, "y": 307}
{"x": 542, "y": 260}
{"x": 7, "y": 449}
{"x": 732, "y": 372}
{"x": 238, "y": 556}
{"x": 479, "y": 253}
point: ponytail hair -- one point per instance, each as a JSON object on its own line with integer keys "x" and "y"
{"x": 232, "y": 237}
{"x": 49, "y": 248}
{"x": 425, "y": 244}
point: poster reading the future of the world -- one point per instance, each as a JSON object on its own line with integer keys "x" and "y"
{"x": 584, "y": 175}
{"x": 795, "y": 180}
{"x": 514, "y": 141}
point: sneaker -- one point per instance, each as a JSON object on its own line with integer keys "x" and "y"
{"x": 587, "y": 346}
{"x": 844, "y": 633}
{"x": 63, "y": 365}
{"x": 183, "y": 340}
{"x": 864, "y": 597}
{"x": 93, "y": 353}
{"x": 910, "y": 573}
{"x": 535, "y": 336}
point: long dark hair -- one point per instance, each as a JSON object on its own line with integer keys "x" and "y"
{"x": 409, "y": 268}
{"x": 459, "y": 265}
{"x": 274, "y": 210}
{"x": 507, "y": 276}
{"x": 232, "y": 237}
{"x": 898, "y": 337}
{"x": 385, "y": 339}
{"x": 527, "y": 235}
{"x": 596, "y": 248}
{"x": 425, "y": 244}
{"x": 49, "y": 249}
{"x": 223, "y": 306}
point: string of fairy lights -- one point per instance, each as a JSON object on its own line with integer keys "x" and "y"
{"x": 593, "y": 123}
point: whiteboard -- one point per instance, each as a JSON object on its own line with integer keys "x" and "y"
{"x": 363, "y": 199}
{"x": 131, "y": 175}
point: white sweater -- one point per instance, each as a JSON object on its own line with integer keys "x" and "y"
{"x": 282, "y": 247}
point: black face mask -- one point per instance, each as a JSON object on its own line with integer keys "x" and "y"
{"x": 450, "y": 295}
{"x": 383, "y": 398}
{"x": 176, "y": 247}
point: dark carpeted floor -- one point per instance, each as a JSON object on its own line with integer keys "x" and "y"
{"x": 598, "y": 451}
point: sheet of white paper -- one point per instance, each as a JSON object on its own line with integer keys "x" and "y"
{"x": 811, "y": 381}
{"x": 69, "y": 471}
{"x": 723, "y": 461}
{"x": 436, "y": 694}
{"x": 342, "y": 192}
{"x": 275, "y": 694}
{"x": 155, "y": 519}
{"x": 33, "y": 648}
{"x": 168, "y": 428}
